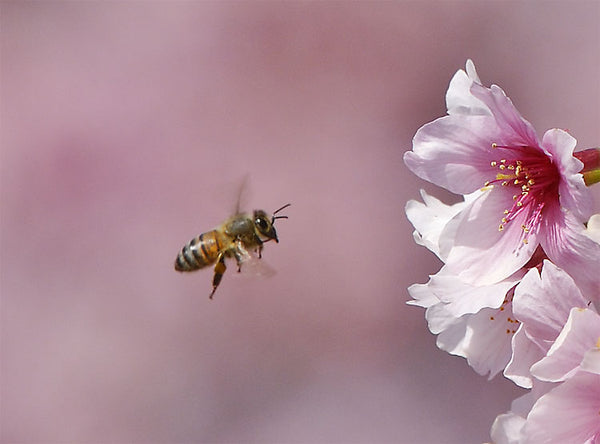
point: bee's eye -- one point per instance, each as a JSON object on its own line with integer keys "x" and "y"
{"x": 262, "y": 223}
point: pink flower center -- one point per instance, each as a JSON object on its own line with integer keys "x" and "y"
{"x": 530, "y": 174}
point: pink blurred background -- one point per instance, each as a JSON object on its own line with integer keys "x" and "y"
{"x": 126, "y": 130}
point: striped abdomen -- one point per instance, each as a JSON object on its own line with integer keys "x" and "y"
{"x": 201, "y": 251}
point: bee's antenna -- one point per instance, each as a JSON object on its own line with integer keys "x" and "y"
{"x": 285, "y": 206}
{"x": 277, "y": 211}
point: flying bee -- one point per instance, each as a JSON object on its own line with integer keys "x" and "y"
{"x": 239, "y": 237}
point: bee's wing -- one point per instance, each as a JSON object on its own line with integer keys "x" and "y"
{"x": 243, "y": 194}
{"x": 252, "y": 265}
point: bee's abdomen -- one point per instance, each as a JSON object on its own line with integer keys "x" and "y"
{"x": 201, "y": 251}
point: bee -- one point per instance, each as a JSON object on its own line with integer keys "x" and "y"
{"x": 241, "y": 237}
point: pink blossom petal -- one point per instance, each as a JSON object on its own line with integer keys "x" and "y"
{"x": 454, "y": 152}
{"x": 543, "y": 302}
{"x": 591, "y": 360}
{"x": 573, "y": 192}
{"x": 568, "y": 414}
{"x": 580, "y": 334}
{"x": 481, "y": 254}
{"x": 567, "y": 245}
{"x": 485, "y": 143}
{"x": 514, "y": 129}
{"x": 508, "y": 427}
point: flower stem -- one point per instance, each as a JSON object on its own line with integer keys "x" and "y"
{"x": 591, "y": 165}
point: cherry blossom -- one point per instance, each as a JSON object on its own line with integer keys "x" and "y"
{"x": 519, "y": 288}
{"x": 531, "y": 190}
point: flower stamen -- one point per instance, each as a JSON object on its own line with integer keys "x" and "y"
{"x": 532, "y": 172}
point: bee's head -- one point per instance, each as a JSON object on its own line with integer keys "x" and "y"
{"x": 266, "y": 225}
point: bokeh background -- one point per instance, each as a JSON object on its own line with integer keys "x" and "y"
{"x": 127, "y": 129}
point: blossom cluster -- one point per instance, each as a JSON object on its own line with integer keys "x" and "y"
{"x": 519, "y": 290}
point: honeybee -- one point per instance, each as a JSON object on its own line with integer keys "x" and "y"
{"x": 241, "y": 237}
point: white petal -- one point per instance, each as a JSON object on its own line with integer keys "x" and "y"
{"x": 429, "y": 219}
{"x": 506, "y": 428}
{"x": 472, "y": 72}
{"x": 453, "y": 337}
{"x": 481, "y": 338}
{"x": 439, "y": 319}
{"x": 489, "y": 350}
{"x": 593, "y": 228}
{"x": 463, "y": 298}
{"x": 422, "y": 296}
{"x": 459, "y": 99}
{"x": 524, "y": 354}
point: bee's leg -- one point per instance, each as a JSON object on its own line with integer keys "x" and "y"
{"x": 260, "y": 245}
{"x": 220, "y": 268}
{"x": 239, "y": 253}
{"x": 238, "y": 259}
